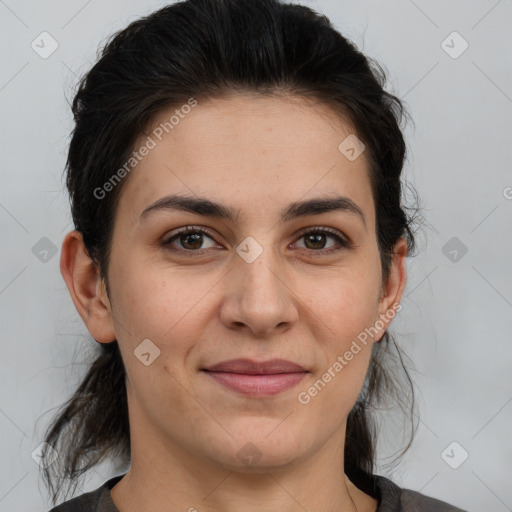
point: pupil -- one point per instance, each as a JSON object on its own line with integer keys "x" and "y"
{"x": 317, "y": 236}
{"x": 198, "y": 239}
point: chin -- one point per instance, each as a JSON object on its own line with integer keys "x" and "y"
{"x": 259, "y": 452}
{"x": 253, "y": 461}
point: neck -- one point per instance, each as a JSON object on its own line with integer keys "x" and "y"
{"x": 172, "y": 480}
{"x": 167, "y": 475}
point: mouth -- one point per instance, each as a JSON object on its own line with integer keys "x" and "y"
{"x": 257, "y": 379}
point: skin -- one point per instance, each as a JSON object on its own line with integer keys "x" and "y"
{"x": 256, "y": 154}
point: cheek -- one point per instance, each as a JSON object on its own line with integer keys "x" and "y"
{"x": 349, "y": 304}
{"x": 346, "y": 340}
{"x": 348, "y": 311}
{"x": 165, "y": 305}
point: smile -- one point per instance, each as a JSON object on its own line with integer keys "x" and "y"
{"x": 257, "y": 385}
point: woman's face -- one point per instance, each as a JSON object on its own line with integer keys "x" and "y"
{"x": 253, "y": 286}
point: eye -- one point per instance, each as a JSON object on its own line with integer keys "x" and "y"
{"x": 191, "y": 240}
{"x": 315, "y": 240}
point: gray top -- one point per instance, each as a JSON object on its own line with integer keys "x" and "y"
{"x": 390, "y": 497}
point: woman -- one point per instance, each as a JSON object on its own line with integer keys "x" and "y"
{"x": 239, "y": 254}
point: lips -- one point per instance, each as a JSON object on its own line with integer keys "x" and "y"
{"x": 248, "y": 367}
{"x": 257, "y": 379}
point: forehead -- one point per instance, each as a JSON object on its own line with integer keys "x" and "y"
{"x": 245, "y": 151}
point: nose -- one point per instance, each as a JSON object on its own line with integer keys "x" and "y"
{"x": 258, "y": 297}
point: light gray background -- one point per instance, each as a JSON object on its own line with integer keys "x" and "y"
{"x": 456, "y": 321}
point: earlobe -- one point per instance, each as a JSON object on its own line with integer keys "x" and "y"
{"x": 86, "y": 288}
{"x": 392, "y": 291}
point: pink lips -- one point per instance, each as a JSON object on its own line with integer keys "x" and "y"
{"x": 257, "y": 379}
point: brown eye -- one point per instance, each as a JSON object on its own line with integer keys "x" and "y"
{"x": 315, "y": 241}
{"x": 194, "y": 239}
{"x": 191, "y": 239}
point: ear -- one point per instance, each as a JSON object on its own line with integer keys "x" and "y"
{"x": 392, "y": 291}
{"x": 86, "y": 288}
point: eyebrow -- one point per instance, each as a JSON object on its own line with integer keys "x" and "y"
{"x": 208, "y": 208}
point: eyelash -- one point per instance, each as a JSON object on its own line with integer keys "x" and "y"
{"x": 344, "y": 243}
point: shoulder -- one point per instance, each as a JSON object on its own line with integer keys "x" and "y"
{"x": 392, "y": 498}
{"x": 98, "y": 500}
{"x": 87, "y": 502}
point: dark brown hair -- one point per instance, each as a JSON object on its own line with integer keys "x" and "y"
{"x": 206, "y": 49}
